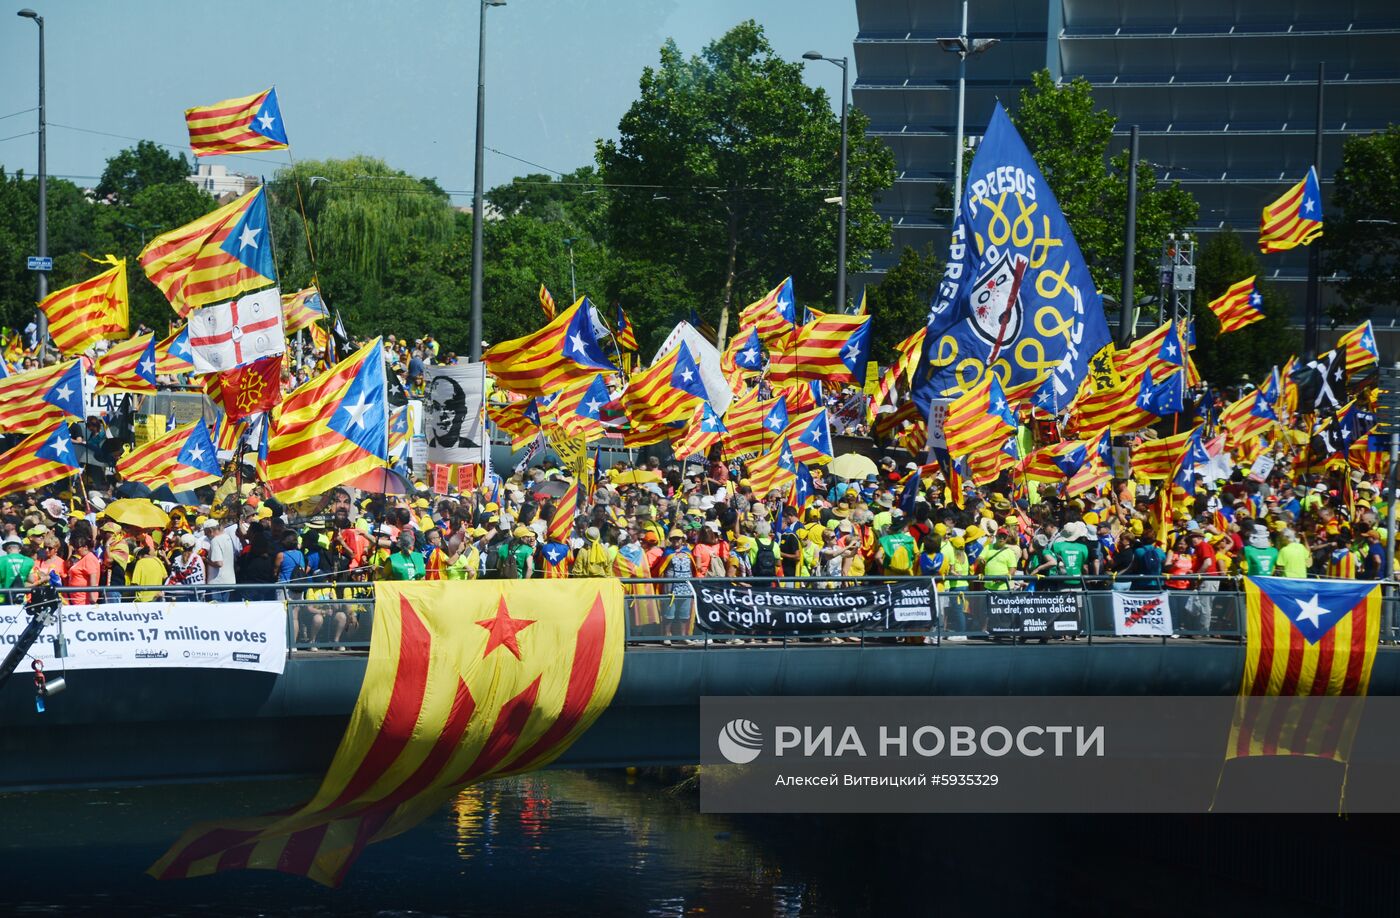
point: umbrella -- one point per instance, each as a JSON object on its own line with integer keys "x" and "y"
{"x": 137, "y": 512}
{"x": 637, "y": 476}
{"x": 852, "y": 466}
{"x": 551, "y": 487}
{"x": 381, "y": 481}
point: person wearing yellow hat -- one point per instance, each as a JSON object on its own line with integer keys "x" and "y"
{"x": 517, "y": 556}
{"x": 677, "y": 564}
{"x": 954, "y": 602}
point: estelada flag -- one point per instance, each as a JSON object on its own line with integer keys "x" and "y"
{"x": 130, "y": 366}
{"x": 214, "y": 258}
{"x": 1304, "y": 638}
{"x": 464, "y": 683}
{"x": 248, "y": 124}
{"x": 251, "y": 388}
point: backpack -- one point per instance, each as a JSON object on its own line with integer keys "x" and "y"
{"x": 900, "y": 561}
{"x": 509, "y": 568}
{"x": 765, "y": 560}
{"x": 1152, "y": 558}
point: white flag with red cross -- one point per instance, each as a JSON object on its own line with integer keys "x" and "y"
{"x": 228, "y": 335}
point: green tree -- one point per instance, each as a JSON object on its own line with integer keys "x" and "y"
{"x": 1362, "y": 238}
{"x": 900, "y": 302}
{"x": 366, "y": 222}
{"x": 70, "y": 230}
{"x": 1250, "y": 352}
{"x": 720, "y": 170}
{"x": 138, "y": 167}
{"x": 125, "y": 229}
{"x": 1069, "y": 139}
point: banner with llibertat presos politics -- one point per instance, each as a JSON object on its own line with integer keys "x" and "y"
{"x": 1141, "y": 614}
{"x": 249, "y": 636}
{"x": 454, "y": 418}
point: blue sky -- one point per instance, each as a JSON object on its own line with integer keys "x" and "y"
{"x": 395, "y": 80}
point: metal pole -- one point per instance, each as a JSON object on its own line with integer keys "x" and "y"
{"x": 573, "y": 283}
{"x": 1313, "y": 312}
{"x": 1394, "y": 484}
{"x": 841, "y": 231}
{"x": 962, "y": 86}
{"x": 478, "y": 214}
{"x": 42, "y": 321}
{"x": 1126, "y": 325}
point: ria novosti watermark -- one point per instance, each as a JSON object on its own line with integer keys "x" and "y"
{"x": 1045, "y": 754}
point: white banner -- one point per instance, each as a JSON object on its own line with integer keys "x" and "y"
{"x": 453, "y": 415}
{"x": 169, "y": 635}
{"x": 1141, "y": 614}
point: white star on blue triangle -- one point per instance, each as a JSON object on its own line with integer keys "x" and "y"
{"x": 67, "y": 392}
{"x": 252, "y": 221}
{"x": 58, "y": 447}
{"x": 198, "y": 451}
{"x": 361, "y": 416}
{"x": 268, "y": 121}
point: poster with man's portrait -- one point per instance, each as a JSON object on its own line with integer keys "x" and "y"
{"x": 453, "y": 416}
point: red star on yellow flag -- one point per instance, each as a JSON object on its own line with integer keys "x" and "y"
{"x": 503, "y": 630}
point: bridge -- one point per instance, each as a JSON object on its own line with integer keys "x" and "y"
{"x": 154, "y": 725}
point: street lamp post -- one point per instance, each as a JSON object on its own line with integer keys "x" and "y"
{"x": 478, "y": 212}
{"x": 844, "y": 64}
{"x": 573, "y": 283}
{"x": 43, "y": 321}
{"x": 962, "y": 46}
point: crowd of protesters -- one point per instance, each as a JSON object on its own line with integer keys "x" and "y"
{"x": 675, "y": 521}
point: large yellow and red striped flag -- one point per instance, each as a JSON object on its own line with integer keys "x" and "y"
{"x": 561, "y": 524}
{"x": 130, "y": 366}
{"x": 248, "y": 124}
{"x": 703, "y": 431}
{"x": 772, "y": 470}
{"x": 1240, "y": 305}
{"x": 577, "y": 407}
{"x": 1158, "y": 459}
{"x": 214, "y": 258}
{"x": 302, "y": 309}
{"x": 908, "y": 352}
{"x": 521, "y": 420}
{"x": 1294, "y": 219}
{"x": 667, "y": 391}
{"x": 979, "y": 420}
{"x": 1116, "y": 408}
{"x": 464, "y": 683}
{"x": 754, "y": 424}
{"x": 89, "y": 311}
{"x": 330, "y": 429}
{"x": 539, "y": 363}
{"x": 184, "y": 459}
{"x": 831, "y": 347}
{"x": 35, "y": 399}
{"x": 1303, "y": 638}
{"x": 774, "y": 316}
{"x": 38, "y": 460}
{"x": 173, "y": 355}
{"x": 1360, "y": 347}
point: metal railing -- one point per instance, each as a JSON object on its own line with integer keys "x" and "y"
{"x": 339, "y": 616}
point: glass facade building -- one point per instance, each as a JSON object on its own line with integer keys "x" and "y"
{"x": 1224, "y": 93}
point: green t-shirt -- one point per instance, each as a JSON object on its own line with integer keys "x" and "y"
{"x": 1260, "y": 562}
{"x": 405, "y": 567}
{"x": 900, "y": 553}
{"x": 1073, "y": 555}
{"x": 15, "y": 570}
{"x": 1293, "y": 560}
{"x": 523, "y": 554}
{"x": 998, "y": 562}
